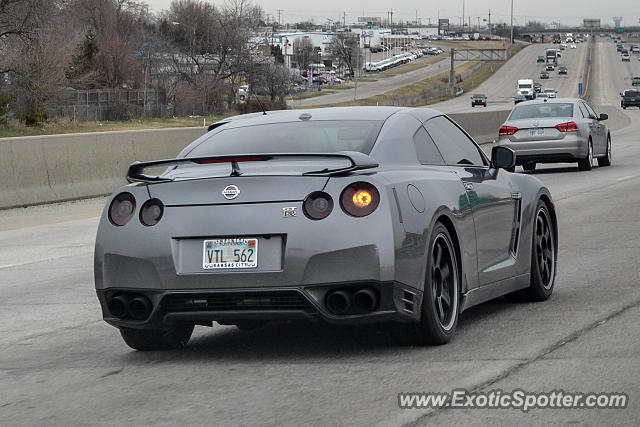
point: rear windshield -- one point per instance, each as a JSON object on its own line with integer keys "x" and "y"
{"x": 539, "y": 111}
{"x": 292, "y": 137}
{"x": 525, "y": 86}
{"x": 631, "y": 93}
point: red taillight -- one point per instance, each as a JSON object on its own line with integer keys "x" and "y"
{"x": 317, "y": 205}
{"x": 151, "y": 212}
{"x": 567, "y": 127}
{"x": 122, "y": 208}
{"x": 360, "y": 199}
{"x": 507, "y": 130}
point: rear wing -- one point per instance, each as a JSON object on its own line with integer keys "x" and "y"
{"x": 359, "y": 161}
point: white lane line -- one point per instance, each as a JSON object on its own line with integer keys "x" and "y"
{"x": 624, "y": 178}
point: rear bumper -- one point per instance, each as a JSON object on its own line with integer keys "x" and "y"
{"x": 569, "y": 149}
{"x": 396, "y": 302}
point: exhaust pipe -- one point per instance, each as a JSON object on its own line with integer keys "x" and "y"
{"x": 365, "y": 300}
{"x": 140, "y": 307}
{"x": 118, "y": 305}
{"x": 338, "y": 302}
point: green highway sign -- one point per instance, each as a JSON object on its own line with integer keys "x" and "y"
{"x": 619, "y": 30}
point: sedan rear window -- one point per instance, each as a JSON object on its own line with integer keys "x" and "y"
{"x": 292, "y": 137}
{"x": 540, "y": 111}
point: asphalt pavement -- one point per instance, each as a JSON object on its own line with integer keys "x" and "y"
{"x": 60, "y": 364}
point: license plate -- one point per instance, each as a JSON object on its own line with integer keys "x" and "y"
{"x": 536, "y": 132}
{"x": 230, "y": 253}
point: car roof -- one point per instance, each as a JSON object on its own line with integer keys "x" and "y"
{"x": 332, "y": 113}
{"x": 552, "y": 101}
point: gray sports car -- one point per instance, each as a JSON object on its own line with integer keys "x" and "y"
{"x": 344, "y": 215}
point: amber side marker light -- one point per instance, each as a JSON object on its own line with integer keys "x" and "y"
{"x": 359, "y": 199}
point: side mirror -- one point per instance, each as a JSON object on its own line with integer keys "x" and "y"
{"x": 503, "y": 158}
{"x": 603, "y": 116}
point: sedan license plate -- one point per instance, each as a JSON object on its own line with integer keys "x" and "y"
{"x": 536, "y": 132}
{"x": 230, "y": 253}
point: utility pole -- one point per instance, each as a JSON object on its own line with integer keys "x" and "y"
{"x": 344, "y": 19}
{"x": 511, "y": 40}
{"x": 489, "y": 23}
{"x": 463, "y": 16}
{"x": 391, "y": 17}
{"x": 416, "y": 16}
{"x": 279, "y": 12}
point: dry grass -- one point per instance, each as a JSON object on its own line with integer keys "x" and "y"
{"x": 58, "y": 126}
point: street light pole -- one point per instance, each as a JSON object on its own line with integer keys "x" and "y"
{"x": 511, "y": 40}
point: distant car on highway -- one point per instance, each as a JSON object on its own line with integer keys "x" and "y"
{"x": 573, "y": 46}
{"x": 556, "y": 130}
{"x": 518, "y": 99}
{"x": 630, "y": 98}
{"x": 562, "y": 70}
{"x": 540, "y": 59}
{"x": 626, "y": 57}
{"x": 537, "y": 87}
{"x": 544, "y": 75}
{"x": 635, "y": 81}
{"x": 550, "y": 92}
{"x": 478, "y": 99}
{"x": 550, "y": 67}
{"x": 272, "y": 218}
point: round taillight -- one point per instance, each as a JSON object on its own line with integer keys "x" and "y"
{"x": 360, "y": 199}
{"x": 151, "y": 212}
{"x": 317, "y": 205}
{"x": 122, "y": 208}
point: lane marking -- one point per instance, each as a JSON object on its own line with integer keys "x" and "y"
{"x": 624, "y": 178}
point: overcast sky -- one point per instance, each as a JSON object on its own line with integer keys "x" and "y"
{"x": 567, "y": 11}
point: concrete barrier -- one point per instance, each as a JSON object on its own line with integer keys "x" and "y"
{"x": 482, "y": 126}
{"x": 53, "y": 168}
{"x": 43, "y": 169}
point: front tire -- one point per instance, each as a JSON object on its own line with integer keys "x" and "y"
{"x": 177, "y": 336}
{"x": 587, "y": 163}
{"x": 606, "y": 160}
{"x": 441, "y": 297}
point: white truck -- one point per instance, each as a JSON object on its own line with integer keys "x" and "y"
{"x": 525, "y": 88}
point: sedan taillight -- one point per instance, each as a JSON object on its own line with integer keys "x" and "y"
{"x": 122, "y": 208}
{"x": 507, "y": 130}
{"x": 567, "y": 127}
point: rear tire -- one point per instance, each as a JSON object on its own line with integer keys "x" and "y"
{"x": 606, "y": 160}
{"x": 171, "y": 338}
{"x": 543, "y": 256}
{"x": 529, "y": 166}
{"x": 441, "y": 297}
{"x": 587, "y": 163}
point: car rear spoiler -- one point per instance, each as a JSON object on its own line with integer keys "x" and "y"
{"x": 359, "y": 161}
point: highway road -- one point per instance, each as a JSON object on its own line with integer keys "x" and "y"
{"x": 60, "y": 364}
{"x": 381, "y": 85}
{"x": 500, "y": 88}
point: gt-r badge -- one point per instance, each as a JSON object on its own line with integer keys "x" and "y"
{"x": 289, "y": 212}
{"x": 230, "y": 192}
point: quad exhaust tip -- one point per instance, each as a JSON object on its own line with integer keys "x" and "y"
{"x": 137, "y": 307}
{"x": 364, "y": 300}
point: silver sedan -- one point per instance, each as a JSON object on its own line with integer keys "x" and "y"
{"x": 556, "y": 130}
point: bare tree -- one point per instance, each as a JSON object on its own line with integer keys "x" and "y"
{"x": 303, "y": 52}
{"x": 345, "y": 47}
{"x": 275, "y": 80}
